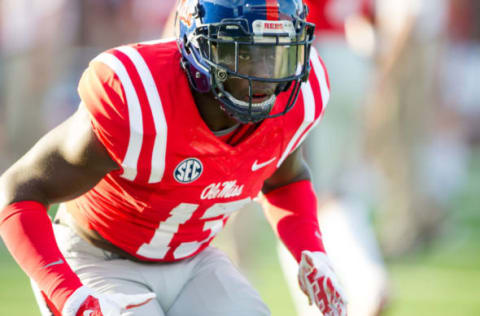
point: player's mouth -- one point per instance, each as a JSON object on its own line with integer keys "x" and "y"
{"x": 259, "y": 97}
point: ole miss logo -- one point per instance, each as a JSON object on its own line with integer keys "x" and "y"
{"x": 188, "y": 170}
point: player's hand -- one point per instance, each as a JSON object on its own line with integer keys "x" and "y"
{"x": 84, "y": 302}
{"x": 319, "y": 283}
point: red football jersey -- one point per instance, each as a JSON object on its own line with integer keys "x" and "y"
{"x": 178, "y": 183}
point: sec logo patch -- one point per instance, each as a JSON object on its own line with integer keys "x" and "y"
{"x": 188, "y": 170}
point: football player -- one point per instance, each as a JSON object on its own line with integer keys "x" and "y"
{"x": 170, "y": 139}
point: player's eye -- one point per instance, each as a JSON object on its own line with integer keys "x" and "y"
{"x": 244, "y": 57}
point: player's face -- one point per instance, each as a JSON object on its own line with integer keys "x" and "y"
{"x": 261, "y": 61}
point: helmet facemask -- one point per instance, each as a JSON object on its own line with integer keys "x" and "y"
{"x": 248, "y": 65}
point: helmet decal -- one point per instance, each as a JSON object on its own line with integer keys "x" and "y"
{"x": 184, "y": 15}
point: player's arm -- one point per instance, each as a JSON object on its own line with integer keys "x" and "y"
{"x": 62, "y": 165}
{"x": 65, "y": 163}
{"x": 290, "y": 204}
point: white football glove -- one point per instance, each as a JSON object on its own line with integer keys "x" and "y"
{"x": 319, "y": 283}
{"x": 85, "y": 302}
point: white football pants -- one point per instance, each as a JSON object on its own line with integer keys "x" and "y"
{"x": 206, "y": 285}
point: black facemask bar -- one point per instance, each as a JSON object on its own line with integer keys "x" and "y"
{"x": 212, "y": 34}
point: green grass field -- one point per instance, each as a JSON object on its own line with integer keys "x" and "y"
{"x": 443, "y": 280}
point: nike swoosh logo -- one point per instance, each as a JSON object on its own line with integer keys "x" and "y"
{"x": 87, "y": 312}
{"x": 53, "y": 264}
{"x": 257, "y": 165}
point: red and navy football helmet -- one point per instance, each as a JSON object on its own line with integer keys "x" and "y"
{"x": 261, "y": 45}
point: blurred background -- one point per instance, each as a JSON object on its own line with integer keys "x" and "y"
{"x": 396, "y": 159}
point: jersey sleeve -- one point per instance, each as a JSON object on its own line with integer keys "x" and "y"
{"x": 320, "y": 84}
{"x": 315, "y": 95}
{"x": 103, "y": 95}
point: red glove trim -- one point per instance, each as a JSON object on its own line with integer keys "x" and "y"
{"x": 91, "y": 303}
{"x": 27, "y": 232}
{"x": 292, "y": 212}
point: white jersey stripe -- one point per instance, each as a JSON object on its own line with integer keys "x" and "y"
{"x": 309, "y": 116}
{"x": 130, "y": 160}
{"x": 321, "y": 75}
{"x": 160, "y": 143}
{"x": 306, "y": 133}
